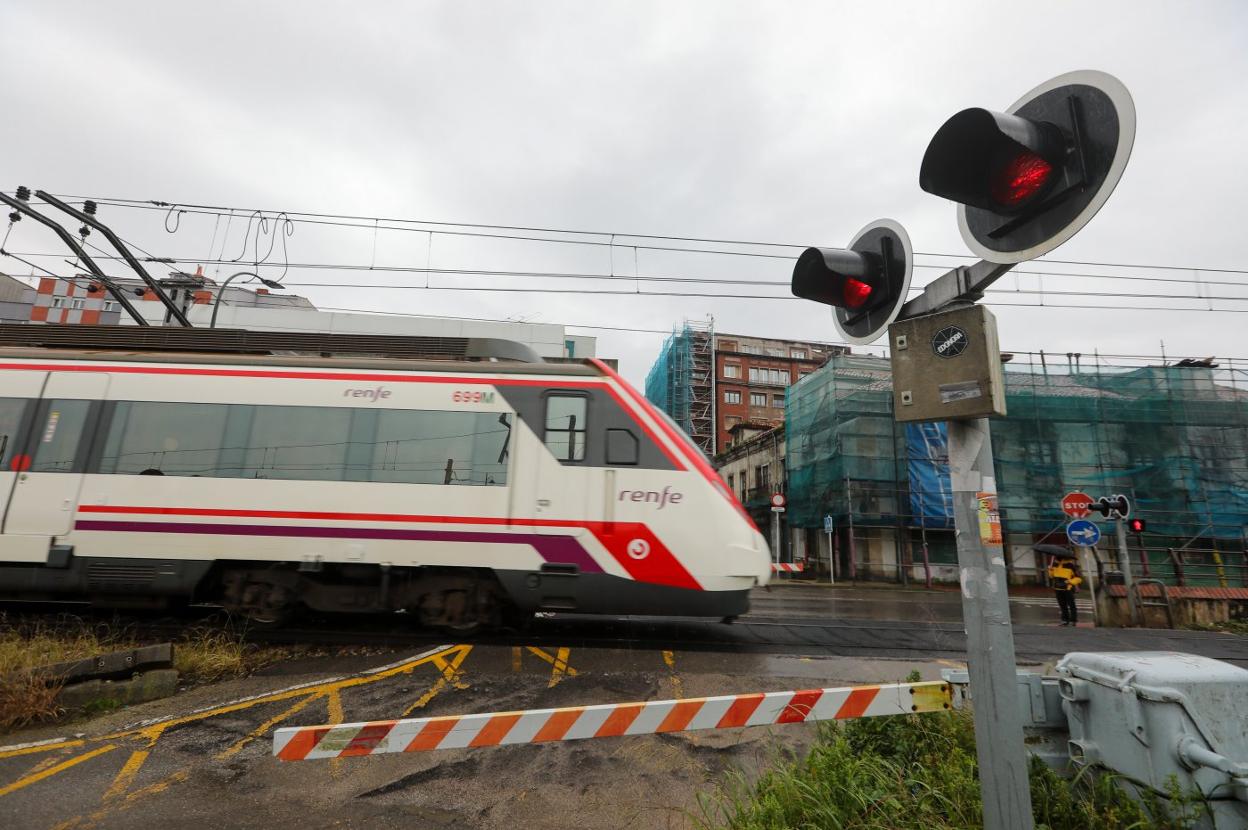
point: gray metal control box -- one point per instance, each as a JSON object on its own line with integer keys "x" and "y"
{"x": 1156, "y": 717}
{"x": 946, "y": 366}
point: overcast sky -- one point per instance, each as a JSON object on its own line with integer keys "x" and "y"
{"x": 774, "y": 122}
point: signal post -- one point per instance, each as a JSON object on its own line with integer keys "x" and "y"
{"x": 1025, "y": 181}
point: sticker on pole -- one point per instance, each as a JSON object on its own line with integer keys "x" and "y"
{"x": 989, "y": 519}
{"x": 1076, "y": 504}
{"x": 1083, "y": 533}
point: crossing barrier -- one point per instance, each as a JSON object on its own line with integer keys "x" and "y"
{"x": 608, "y": 720}
{"x": 787, "y": 567}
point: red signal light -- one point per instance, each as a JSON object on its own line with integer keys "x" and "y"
{"x": 1020, "y": 179}
{"x": 855, "y": 293}
{"x": 1136, "y": 525}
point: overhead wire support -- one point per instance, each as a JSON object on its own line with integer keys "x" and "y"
{"x": 118, "y": 294}
{"x": 116, "y": 242}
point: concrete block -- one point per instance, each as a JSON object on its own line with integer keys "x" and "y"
{"x": 145, "y": 686}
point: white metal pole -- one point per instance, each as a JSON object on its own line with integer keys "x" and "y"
{"x": 1124, "y": 562}
{"x": 989, "y": 634}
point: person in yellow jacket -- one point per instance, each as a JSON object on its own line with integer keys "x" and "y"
{"x": 1064, "y": 576}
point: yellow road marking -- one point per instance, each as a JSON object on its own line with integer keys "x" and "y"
{"x": 560, "y": 662}
{"x": 560, "y": 666}
{"x": 678, "y": 690}
{"x": 450, "y": 674}
{"x": 50, "y": 771}
{"x": 150, "y": 733}
{"x": 515, "y": 658}
{"x": 127, "y": 775}
{"x": 125, "y": 803}
{"x": 44, "y": 764}
{"x": 263, "y": 728}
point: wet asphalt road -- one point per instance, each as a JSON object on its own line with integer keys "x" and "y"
{"x": 202, "y": 758}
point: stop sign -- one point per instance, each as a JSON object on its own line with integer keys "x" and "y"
{"x": 1076, "y": 504}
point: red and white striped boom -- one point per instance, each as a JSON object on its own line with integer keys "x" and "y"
{"x": 608, "y": 720}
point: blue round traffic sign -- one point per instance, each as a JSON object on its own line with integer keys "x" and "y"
{"x": 1083, "y": 533}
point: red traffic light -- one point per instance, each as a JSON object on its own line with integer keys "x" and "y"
{"x": 1028, "y": 179}
{"x": 866, "y": 283}
{"x": 1136, "y": 525}
{"x": 856, "y": 293}
{"x": 1022, "y": 177}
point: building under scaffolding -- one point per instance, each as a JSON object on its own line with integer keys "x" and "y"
{"x": 682, "y": 381}
{"x": 1174, "y": 438}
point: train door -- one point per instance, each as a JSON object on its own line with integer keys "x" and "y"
{"x": 19, "y": 395}
{"x": 44, "y": 496}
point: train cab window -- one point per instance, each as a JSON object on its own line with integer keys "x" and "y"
{"x": 622, "y": 447}
{"x": 59, "y": 435}
{"x": 11, "y": 411}
{"x": 565, "y": 426}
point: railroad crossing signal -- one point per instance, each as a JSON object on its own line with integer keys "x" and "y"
{"x": 1030, "y": 178}
{"x": 866, "y": 284}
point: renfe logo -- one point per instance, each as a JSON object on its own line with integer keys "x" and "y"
{"x": 370, "y": 394}
{"x": 661, "y": 499}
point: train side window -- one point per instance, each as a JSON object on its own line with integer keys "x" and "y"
{"x": 622, "y": 447}
{"x": 565, "y": 426}
{"x": 306, "y": 443}
{"x": 174, "y": 439}
{"x": 59, "y": 435}
{"x": 11, "y": 411}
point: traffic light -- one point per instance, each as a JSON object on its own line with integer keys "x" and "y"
{"x": 1137, "y": 525}
{"x": 1112, "y": 507}
{"x": 1028, "y": 179}
{"x": 866, "y": 283}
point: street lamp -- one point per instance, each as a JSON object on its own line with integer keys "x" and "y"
{"x": 216, "y": 305}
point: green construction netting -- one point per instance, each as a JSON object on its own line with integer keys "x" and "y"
{"x": 1173, "y": 438}
{"x": 668, "y": 383}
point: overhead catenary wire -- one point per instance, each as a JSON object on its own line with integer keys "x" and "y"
{"x": 611, "y": 238}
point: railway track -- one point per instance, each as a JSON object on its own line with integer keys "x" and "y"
{"x": 757, "y": 634}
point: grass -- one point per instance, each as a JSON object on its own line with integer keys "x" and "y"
{"x": 28, "y": 693}
{"x": 917, "y": 772}
{"x": 1239, "y": 627}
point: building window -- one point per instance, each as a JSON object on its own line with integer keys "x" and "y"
{"x": 58, "y": 302}
{"x": 75, "y": 304}
{"x": 760, "y": 477}
{"x": 748, "y": 349}
{"x": 732, "y": 397}
{"x": 778, "y": 400}
{"x": 780, "y": 376}
{"x": 728, "y": 345}
{"x": 109, "y": 305}
{"x": 732, "y": 370}
{"x": 569, "y": 347}
{"x": 754, "y": 375}
{"x": 799, "y": 354}
{"x": 758, "y": 399}
{"x": 732, "y": 482}
{"x": 775, "y": 352}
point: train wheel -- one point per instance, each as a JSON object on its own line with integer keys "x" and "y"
{"x": 260, "y": 603}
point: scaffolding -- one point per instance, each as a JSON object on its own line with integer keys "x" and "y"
{"x": 1173, "y": 438}
{"x": 682, "y": 381}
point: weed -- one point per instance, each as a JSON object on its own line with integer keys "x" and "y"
{"x": 919, "y": 772}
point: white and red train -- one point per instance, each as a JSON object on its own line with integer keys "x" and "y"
{"x": 458, "y": 490}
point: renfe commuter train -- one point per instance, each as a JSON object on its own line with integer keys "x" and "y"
{"x": 250, "y": 470}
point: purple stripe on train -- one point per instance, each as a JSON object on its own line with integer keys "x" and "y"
{"x": 556, "y": 549}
